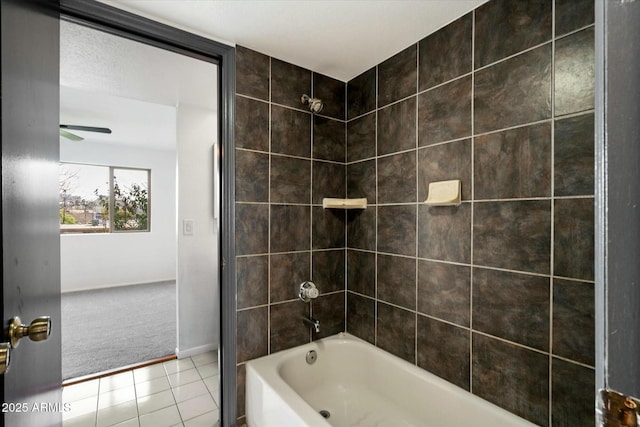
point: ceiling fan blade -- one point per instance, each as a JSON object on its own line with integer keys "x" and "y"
{"x": 70, "y": 136}
{"x": 86, "y": 128}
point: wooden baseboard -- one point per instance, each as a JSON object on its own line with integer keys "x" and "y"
{"x": 115, "y": 371}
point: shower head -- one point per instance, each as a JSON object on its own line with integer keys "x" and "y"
{"x": 315, "y": 104}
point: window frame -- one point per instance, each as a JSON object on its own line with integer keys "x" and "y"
{"x": 112, "y": 200}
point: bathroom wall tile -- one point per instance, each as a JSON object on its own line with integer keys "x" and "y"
{"x": 361, "y": 180}
{"x": 397, "y": 76}
{"x": 444, "y": 232}
{"x": 252, "y": 229}
{"x": 290, "y": 228}
{"x": 446, "y": 54}
{"x": 252, "y": 287}
{"x": 506, "y": 27}
{"x": 444, "y": 291}
{"x": 396, "y": 281}
{"x": 361, "y": 272}
{"x": 525, "y": 78}
{"x": 290, "y": 132}
{"x": 287, "y": 329}
{"x": 329, "y": 141}
{"x": 513, "y": 164}
{"x": 575, "y": 73}
{"x": 287, "y": 272}
{"x": 397, "y": 178}
{"x": 361, "y": 93}
{"x": 572, "y": 15}
{"x": 573, "y": 244}
{"x": 361, "y": 228}
{"x": 290, "y": 180}
{"x": 397, "y": 230}
{"x": 328, "y": 270}
{"x": 253, "y": 334}
{"x": 241, "y": 383}
{"x": 571, "y": 394}
{"x": 252, "y": 124}
{"x": 252, "y": 73}
{"x": 252, "y": 170}
{"x": 396, "y": 331}
{"x": 329, "y": 310}
{"x": 513, "y": 235}
{"x": 361, "y": 138}
{"x": 443, "y": 350}
{"x": 361, "y": 317}
{"x": 574, "y": 320}
{"x": 501, "y": 369}
{"x": 396, "y": 127}
{"x": 574, "y": 156}
{"x": 444, "y": 113}
{"x": 288, "y": 83}
{"x": 329, "y": 180}
{"x": 332, "y": 92}
{"x": 328, "y": 228}
{"x": 444, "y": 162}
{"x": 512, "y": 306}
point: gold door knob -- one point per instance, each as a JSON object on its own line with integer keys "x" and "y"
{"x": 38, "y": 330}
{"x": 5, "y": 353}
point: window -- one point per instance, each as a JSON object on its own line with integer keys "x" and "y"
{"x": 103, "y": 199}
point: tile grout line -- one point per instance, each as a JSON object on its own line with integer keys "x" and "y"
{"x": 552, "y": 212}
{"x": 268, "y": 303}
{"x": 417, "y": 208}
{"x": 375, "y": 277}
{"x": 473, "y": 196}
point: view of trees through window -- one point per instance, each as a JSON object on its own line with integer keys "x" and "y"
{"x": 103, "y": 199}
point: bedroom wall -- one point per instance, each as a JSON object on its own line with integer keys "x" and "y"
{"x": 92, "y": 261}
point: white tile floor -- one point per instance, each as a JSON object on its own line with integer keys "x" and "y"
{"x": 176, "y": 393}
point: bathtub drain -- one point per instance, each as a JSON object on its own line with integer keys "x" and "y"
{"x": 325, "y": 413}
{"x": 312, "y": 356}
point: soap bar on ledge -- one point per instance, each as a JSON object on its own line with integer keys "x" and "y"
{"x": 329, "y": 203}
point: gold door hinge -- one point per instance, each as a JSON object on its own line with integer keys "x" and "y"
{"x": 617, "y": 410}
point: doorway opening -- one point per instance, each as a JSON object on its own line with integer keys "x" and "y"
{"x": 131, "y": 293}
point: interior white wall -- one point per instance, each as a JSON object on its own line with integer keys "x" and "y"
{"x": 91, "y": 261}
{"x": 197, "y": 254}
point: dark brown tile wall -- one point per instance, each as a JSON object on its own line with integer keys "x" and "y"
{"x": 495, "y": 295}
{"x": 287, "y": 160}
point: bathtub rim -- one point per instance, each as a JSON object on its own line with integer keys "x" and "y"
{"x": 272, "y": 378}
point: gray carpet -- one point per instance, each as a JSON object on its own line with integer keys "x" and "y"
{"x": 109, "y": 328}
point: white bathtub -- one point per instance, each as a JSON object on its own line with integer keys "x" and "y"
{"x": 359, "y": 385}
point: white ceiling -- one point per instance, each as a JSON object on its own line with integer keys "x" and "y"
{"x": 129, "y": 87}
{"x": 340, "y": 39}
{"x": 133, "y": 123}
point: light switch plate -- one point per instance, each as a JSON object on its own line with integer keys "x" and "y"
{"x": 187, "y": 227}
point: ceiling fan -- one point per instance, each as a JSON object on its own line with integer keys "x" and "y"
{"x": 73, "y": 137}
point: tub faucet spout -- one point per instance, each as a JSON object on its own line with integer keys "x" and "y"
{"x": 312, "y": 323}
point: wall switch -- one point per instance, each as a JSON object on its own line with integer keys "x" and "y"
{"x": 187, "y": 227}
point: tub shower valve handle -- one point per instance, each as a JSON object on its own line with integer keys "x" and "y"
{"x": 308, "y": 291}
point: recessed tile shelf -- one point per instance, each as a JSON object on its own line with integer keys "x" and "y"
{"x": 328, "y": 203}
{"x": 444, "y": 193}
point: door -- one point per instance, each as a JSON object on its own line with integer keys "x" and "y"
{"x": 30, "y": 236}
{"x": 617, "y": 234}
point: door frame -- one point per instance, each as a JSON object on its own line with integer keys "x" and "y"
{"x": 122, "y": 23}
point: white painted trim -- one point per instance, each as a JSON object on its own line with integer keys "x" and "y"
{"x": 116, "y": 285}
{"x": 183, "y": 354}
